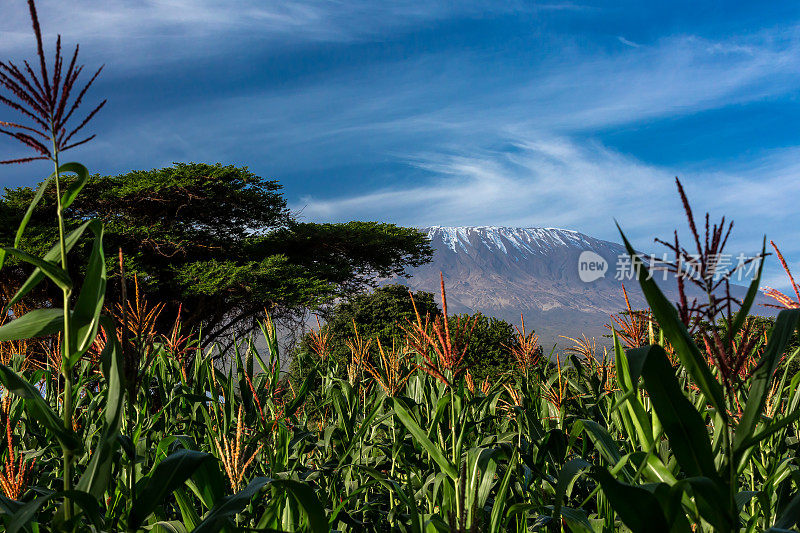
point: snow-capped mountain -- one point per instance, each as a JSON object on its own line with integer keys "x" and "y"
{"x": 505, "y": 272}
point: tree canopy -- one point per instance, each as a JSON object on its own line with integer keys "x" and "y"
{"x": 380, "y": 314}
{"x": 383, "y": 314}
{"x": 489, "y": 350}
{"x": 220, "y": 241}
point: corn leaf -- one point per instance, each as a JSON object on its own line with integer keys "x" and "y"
{"x": 780, "y": 335}
{"x": 636, "y": 507}
{"x": 52, "y": 256}
{"x": 57, "y": 274}
{"x": 436, "y": 453}
{"x": 168, "y": 475}
{"x": 97, "y": 477}
{"x": 22, "y": 518}
{"x": 36, "y": 323}
{"x": 302, "y": 493}
{"x": 27, "y": 217}
{"x": 75, "y": 187}
{"x": 677, "y": 334}
{"x": 38, "y": 409}
{"x": 688, "y": 436}
{"x": 86, "y": 315}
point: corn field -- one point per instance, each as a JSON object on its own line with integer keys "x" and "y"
{"x": 109, "y": 425}
{"x": 165, "y": 440}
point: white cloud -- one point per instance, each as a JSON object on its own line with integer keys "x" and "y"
{"x": 627, "y": 42}
{"x": 558, "y": 182}
{"x": 678, "y": 75}
{"x": 543, "y": 181}
{"x": 148, "y": 32}
{"x": 506, "y": 148}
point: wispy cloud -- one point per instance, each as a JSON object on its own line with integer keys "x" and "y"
{"x": 477, "y": 132}
{"x": 551, "y": 181}
{"x": 558, "y": 182}
{"x": 626, "y": 42}
{"x": 164, "y": 31}
{"x": 530, "y": 182}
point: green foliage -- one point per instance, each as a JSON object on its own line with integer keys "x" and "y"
{"x": 763, "y": 324}
{"x": 710, "y": 463}
{"x": 490, "y": 343}
{"x": 385, "y": 312}
{"x": 379, "y": 314}
{"x": 665, "y": 441}
{"x": 220, "y": 241}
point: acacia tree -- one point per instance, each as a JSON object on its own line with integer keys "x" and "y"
{"x": 220, "y": 241}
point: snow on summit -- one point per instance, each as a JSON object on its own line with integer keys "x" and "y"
{"x": 506, "y": 239}
{"x": 507, "y": 272}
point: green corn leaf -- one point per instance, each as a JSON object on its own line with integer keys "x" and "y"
{"x": 51, "y": 270}
{"x": 75, "y": 187}
{"x": 568, "y": 473}
{"x": 712, "y": 502}
{"x": 168, "y": 475}
{"x": 207, "y": 483}
{"x": 576, "y": 520}
{"x": 245, "y": 393}
{"x": 688, "y": 436}
{"x": 787, "y": 322}
{"x": 791, "y": 514}
{"x": 366, "y": 425}
{"x": 27, "y": 217}
{"x": 269, "y": 330}
{"x": 743, "y": 498}
{"x": 53, "y": 255}
{"x": 302, "y": 493}
{"x": 36, "y": 323}
{"x": 636, "y": 507}
{"x": 538, "y": 523}
{"x": 86, "y": 315}
{"x": 417, "y": 521}
{"x": 69, "y": 196}
{"x": 630, "y": 400}
{"x": 601, "y": 439}
{"x": 8, "y": 506}
{"x": 171, "y": 526}
{"x": 670, "y": 499}
{"x": 97, "y": 477}
{"x": 772, "y": 429}
{"x": 481, "y": 467}
{"x": 657, "y": 471}
{"x": 38, "y": 409}
{"x": 436, "y": 420}
{"x": 186, "y": 507}
{"x": 496, "y": 521}
{"x": 22, "y": 518}
{"x": 421, "y": 437}
{"x": 747, "y": 303}
{"x": 341, "y": 407}
{"x": 298, "y": 400}
{"x": 305, "y": 496}
{"x": 268, "y": 370}
{"x": 675, "y": 331}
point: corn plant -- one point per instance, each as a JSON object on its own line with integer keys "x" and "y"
{"x": 713, "y": 436}
{"x": 683, "y": 426}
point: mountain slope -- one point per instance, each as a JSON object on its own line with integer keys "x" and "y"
{"x": 505, "y": 272}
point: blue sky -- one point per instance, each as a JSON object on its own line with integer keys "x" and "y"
{"x": 455, "y": 113}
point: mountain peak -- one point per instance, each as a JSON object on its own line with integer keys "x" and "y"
{"x": 507, "y": 271}
{"x": 522, "y": 242}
